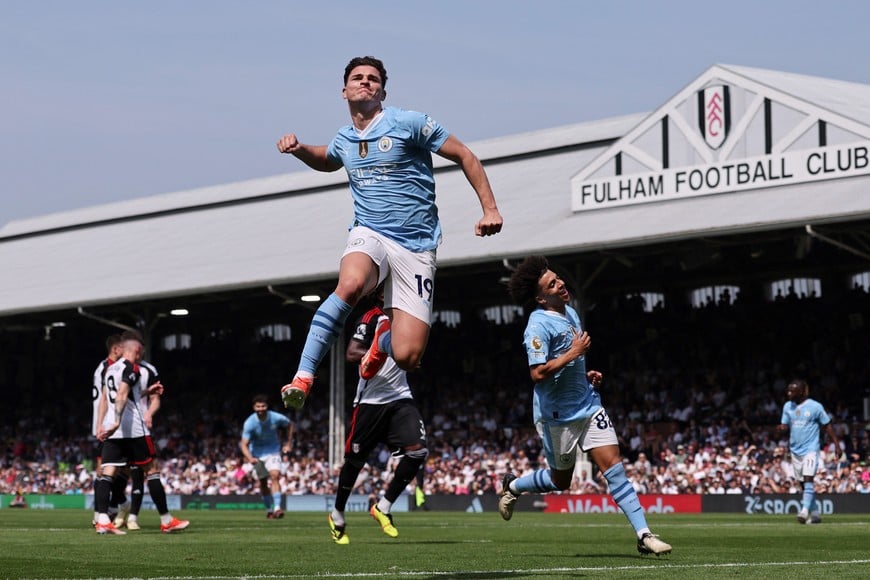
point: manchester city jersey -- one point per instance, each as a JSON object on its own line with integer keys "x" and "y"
{"x": 567, "y": 395}
{"x": 804, "y": 421}
{"x": 263, "y": 435}
{"x": 389, "y": 165}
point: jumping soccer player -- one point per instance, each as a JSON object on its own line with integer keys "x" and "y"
{"x": 387, "y": 153}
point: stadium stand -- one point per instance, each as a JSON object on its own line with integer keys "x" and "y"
{"x": 695, "y": 394}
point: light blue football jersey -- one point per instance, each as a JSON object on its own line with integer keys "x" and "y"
{"x": 390, "y": 170}
{"x": 566, "y": 396}
{"x": 262, "y": 436}
{"x": 804, "y": 421}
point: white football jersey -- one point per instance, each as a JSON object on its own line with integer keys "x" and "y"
{"x": 133, "y": 419}
{"x": 391, "y": 382}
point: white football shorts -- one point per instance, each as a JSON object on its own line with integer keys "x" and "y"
{"x": 410, "y": 276}
{"x": 561, "y": 440}
{"x": 266, "y": 464}
{"x": 805, "y": 465}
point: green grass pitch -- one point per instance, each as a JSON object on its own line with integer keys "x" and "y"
{"x": 237, "y": 544}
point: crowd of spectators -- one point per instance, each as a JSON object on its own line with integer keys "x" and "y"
{"x": 723, "y": 463}
{"x": 695, "y": 395}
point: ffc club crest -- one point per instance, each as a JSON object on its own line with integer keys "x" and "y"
{"x": 714, "y": 114}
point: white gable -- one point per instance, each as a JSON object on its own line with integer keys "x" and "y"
{"x": 732, "y": 129}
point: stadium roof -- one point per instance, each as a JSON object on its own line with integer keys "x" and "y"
{"x": 290, "y": 229}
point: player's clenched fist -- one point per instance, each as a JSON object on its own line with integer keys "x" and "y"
{"x": 489, "y": 225}
{"x": 288, "y": 143}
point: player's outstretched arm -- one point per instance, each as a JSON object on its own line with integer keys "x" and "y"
{"x": 314, "y": 156}
{"x": 246, "y": 451}
{"x": 457, "y": 152}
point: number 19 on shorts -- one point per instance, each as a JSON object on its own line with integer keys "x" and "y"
{"x": 425, "y": 287}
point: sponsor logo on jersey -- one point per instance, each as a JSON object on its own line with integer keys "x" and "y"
{"x": 429, "y": 127}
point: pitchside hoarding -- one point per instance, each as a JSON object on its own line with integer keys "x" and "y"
{"x": 830, "y": 504}
{"x": 604, "y": 504}
{"x": 774, "y": 504}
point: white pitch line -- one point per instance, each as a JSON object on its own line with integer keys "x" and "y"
{"x": 528, "y": 571}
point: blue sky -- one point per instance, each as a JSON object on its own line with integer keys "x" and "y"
{"x": 104, "y": 100}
